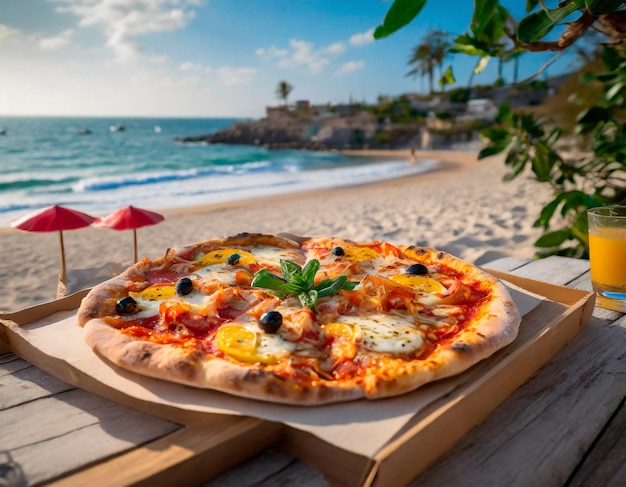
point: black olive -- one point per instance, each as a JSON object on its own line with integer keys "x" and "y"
{"x": 417, "y": 270}
{"x": 126, "y": 306}
{"x": 233, "y": 259}
{"x": 338, "y": 251}
{"x": 271, "y": 321}
{"x": 184, "y": 286}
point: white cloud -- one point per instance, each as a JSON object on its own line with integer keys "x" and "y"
{"x": 301, "y": 54}
{"x": 350, "y": 67}
{"x": 195, "y": 67}
{"x": 124, "y": 20}
{"x": 6, "y": 32}
{"x": 337, "y": 48}
{"x": 230, "y": 76}
{"x": 363, "y": 38}
{"x": 57, "y": 42}
{"x": 189, "y": 66}
{"x": 272, "y": 52}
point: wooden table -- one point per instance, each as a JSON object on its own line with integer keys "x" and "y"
{"x": 565, "y": 426}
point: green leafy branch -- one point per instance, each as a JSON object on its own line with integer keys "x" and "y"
{"x": 494, "y": 33}
{"x": 594, "y": 178}
{"x": 300, "y": 281}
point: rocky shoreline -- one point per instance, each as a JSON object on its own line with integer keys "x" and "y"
{"x": 307, "y": 134}
{"x": 262, "y": 133}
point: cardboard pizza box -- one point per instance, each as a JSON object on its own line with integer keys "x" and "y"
{"x": 460, "y": 403}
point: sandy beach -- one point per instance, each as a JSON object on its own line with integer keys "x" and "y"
{"x": 464, "y": 208}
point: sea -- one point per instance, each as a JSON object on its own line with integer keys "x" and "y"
{"x": 97, "y": 165}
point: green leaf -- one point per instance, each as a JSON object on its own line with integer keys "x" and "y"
{"x": 330, "y": 286}
{"x": 611, "y": 58}
{"x": 615, "y": 90}
{"x": 267, "y": 280}
{"x": 504, "y": 112}
{"x": 541, "y": 167}
{"x": 553, "y": 239}
{"x": 399, "y": 14}
{"x": 547, "y": 212}
{"x": 289, "y": 268}
{"x": 496, "y": 134}
{"x": 536, "y": 25}
{"x": 469, "y": 45}
{"x": 297, "y": 284}
{"x": 593, "y": 115}
{"x": 349, "y": 286}
{"x": 489, "y": 151}
{"x": 483, "y": 12}
{"x": 600, "y": 7}
{"x": 531, "y": 4}
{"x": 301, "y": 282}
{"x": 554, "y": 135}
{"x": 308, "y": 299}
{"x": 309, "y": 270}
{"x": 448, "y": 77}
{"x": 493, "y": 30}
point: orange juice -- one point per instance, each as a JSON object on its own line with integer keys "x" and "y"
{"x": 607, "y": 256}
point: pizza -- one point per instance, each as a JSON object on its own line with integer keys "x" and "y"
{"x": 313, "y": 322}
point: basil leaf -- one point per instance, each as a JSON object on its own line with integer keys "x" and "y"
{"x": 289, "y": 268}
{"x": 309, "y": 299}
{"x": 297, "y": 284}
{"x": 309, "y": 270}
{"x": 349, "y": 285}
{"x": 267, "y": 280}
{"x": 330, "y": 286}
{"x": 299, "y": 281}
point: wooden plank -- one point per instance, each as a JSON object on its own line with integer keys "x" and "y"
{"x": 50, "y": 435}
{"x": 555, "y": 270}
{"x": 507, "y": 264}
{"x": 271, "y": 469}
{"x": 542, "y": 429}
{"x": 9, "y": 363}
{"x": 188, "y": 456}
{"x": 27, "y": 384}
{"x": 268, "y": 465}
{"x": 51, "y": 417}
{"x": 76, "y": 449}
{"x": 584, "y": 282}
{"x": 606, "y": 463}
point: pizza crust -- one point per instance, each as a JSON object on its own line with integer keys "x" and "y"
{"x": 171, "y": 363}
{"x": 494, "y": 326}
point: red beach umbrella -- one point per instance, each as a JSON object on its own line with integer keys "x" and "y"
{"x": 54, "y": 219}
{"x": 128, "y": 218}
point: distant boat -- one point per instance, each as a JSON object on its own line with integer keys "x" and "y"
{"x": 117, "y": 128}
{"x": 3, "y": 131}
{"x": 157, "y": 129}
{"x": 84, "y": 132}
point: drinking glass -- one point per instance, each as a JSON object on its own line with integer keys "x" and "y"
{"x": 607, "y": 255}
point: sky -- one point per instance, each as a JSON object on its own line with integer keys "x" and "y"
{"x": 215, "y": 58}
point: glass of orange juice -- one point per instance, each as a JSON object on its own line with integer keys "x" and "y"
{"x": 607, "y": 255}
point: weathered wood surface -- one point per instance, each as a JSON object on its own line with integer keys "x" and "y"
{"x": 566, "y": 425}
{"x": 50, "y": 428}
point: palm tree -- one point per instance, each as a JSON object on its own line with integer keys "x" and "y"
{"x": 282, "y": 91}
{"x": 430, "y": 54}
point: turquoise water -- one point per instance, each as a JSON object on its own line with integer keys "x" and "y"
{"x": 48, "y": 160}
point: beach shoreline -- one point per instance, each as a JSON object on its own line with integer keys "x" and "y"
{"x": 462, "y": 207}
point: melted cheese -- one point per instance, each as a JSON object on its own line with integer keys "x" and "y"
{"x": 387, "y": 333}
{"x": 221, "y": 273}
{"x": 272, "y": 256}
{"x": 150, "y": 307}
